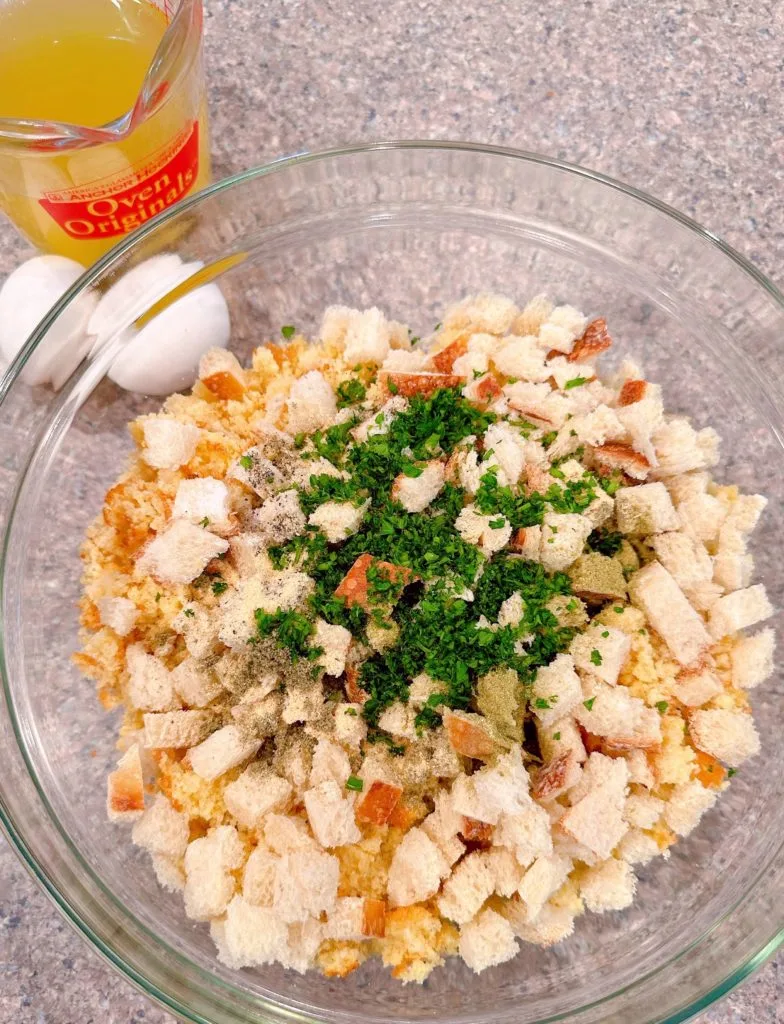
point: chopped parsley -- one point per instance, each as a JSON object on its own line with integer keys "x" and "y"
{"x": 189, "y": 612}
{"x": 355, "y": 783}
{"x": 731, "y": 772}
{"x": 589, "y": 703}
{"x": 556, "y": 735}
{"x": 350, "y": 392}
{"x": 292, "y": 630}
{"x": 575, "y": 382}
{"x": 205, "y": 522}
{"x": 288, "y": 331}
{"x": 246, "y": 461}
{"x": 606, "y": 542}
{"x": 219, "y": 587}
{"x": 661, "y": 706}
{"x": 596, "y": 658}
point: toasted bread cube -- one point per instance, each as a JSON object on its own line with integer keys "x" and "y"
{"x": 221, "y": 373}
{"x": 695, "y": 687}
{"x": 645, "y": 510}
{"x": 162, "y": 830}
{"x": 595, "y": 339}
{"x": 118, "y": 613}
{"x": 223, "y": 750}
{"x": 330, "y": 761}
{"x": 538, "y": 403}
{"x": 176, "y": 729}
{"x": 608, "y": 886}
{"x": 728, "y": 735}
{"x": 416, "y": 493}
{"x": 563, "y": 539}
{"x": 752, "y": 659}
{"x": 254, "y": 794}
{"x": 544, "y": 877}
{"x": 149, "y": 681}
{"x": 125, "y": 787}
{"x": 602, "y": 651}
{"x": 377, "y": 805}
{"x": 443, "y": 360}
{"x": 354, "y": 588}
{"x": 306, "y": 885}
{"x": 398, "y": 721}
{"x": 686, "y": 805}
{"x": 258, "y": 877}
{"x": 195, "y": 685}
{"x": 596, "y": 578}
{"x": 330, "y": 815}
{"x": 469, "y": 735}
{"x": 667, "y": 609}
{"x": 466, "y": 890}
{"x": 474, "y": 831}
{"x": 374, "y": 914}
{"x": 416, "y": 871}
{"x": 338, "y": 520}
{"x": 737, "y": 611}
{"x": 311, "y": 404}
{"x": 556, "y": 690}
{"x": 555, "y": 777}
{"x": 409, "y": 384}
{"x": 617, "y": 456}
{"x": 561, "y": 737}
{"x": 180, "y": 553}
{"x": 168, "y": 444}
{"x": 486, "y": 941}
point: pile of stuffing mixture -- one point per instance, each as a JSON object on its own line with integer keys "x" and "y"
{"x": 424, "y": 646}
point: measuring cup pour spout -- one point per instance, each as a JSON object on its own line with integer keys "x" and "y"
{"x": 74, "y": 188}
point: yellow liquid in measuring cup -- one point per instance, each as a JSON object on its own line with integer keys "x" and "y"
{"x": 83, "y": 62}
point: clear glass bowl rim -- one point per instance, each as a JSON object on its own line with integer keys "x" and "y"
{"x": 115, "y": 257}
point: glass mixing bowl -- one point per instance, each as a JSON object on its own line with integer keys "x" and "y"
{"x": 408, "y": 227}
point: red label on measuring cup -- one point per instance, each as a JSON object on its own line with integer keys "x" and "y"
{"x": 121, "y": 203}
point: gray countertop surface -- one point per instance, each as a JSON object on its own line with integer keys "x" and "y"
{"x": 681, "y": 100}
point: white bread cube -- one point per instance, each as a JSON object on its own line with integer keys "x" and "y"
{"x": 302, "y": 705}
{"x": 251, "y": 936}
{"x": 686, "y": 805}
{"x": 666, "y": 607}
{"x": 279, "y": 518}
{"x": 733, "y": 566}
{"x": 563, "y": 539}
{"x": 539, "y": 404}
{"x": 737, "y": 611}
{"x": 405, "y": 361}
{"x": 685, "y": 558}
{"x": 330, "y": 761}
{"x": 379, "y": 421}
{"x": 258, "y": 878}
{"x": 338, "y": 520}
{"x": 494, "y": 790}
{"x": 194, "y": 684}
{"x": 335, "y": 642}
{"x": 118, "y": 613}
{"x": 416, "y": 493}
{"x": 552, "y": 924}
{"x": 612, "y": 712}
{"x": 752, "y": 659}
{"x": 544, "y": 877}
{"x": 487, "y": 941}
{"x": 169, "y": 873}
{"x": 602, "y": 651}
{"x": 331, "y": 816}
{"x": 530, "y": 543}
{"x": 367, "y": 337}
{"x": 223, "y": 750}
{"x": 416, "y": 871}
{"x": 203, "y": 498}
{"x": 484, "y": 313}
{"x": 350, "y": 726}
{"x": 149, "y": 681}
{"x": 176, "y": 729}
{"x": 199, "y": 629}
{"x": 559, "y": 686}
{"x": 596, "y": 818}
{"x": 306, "y": 885}
{"x": 639, "y": 768}
{"x": 180, "y": 553}
{"x": 533, "y": 316}
{"x": 728, "y": 735}
{"x": 523, "y": 358}
{"x": 209, "y": 884}
{"x": 511, "y": 611}
{"x": 344, "y": 923}
{"x": 526, "y": 834}
{"x": 600, "y": 509}
{"x": 466, "y": 890}
{"x": 681, "y": 449}
{"x": 643, "y": 418}
{"x": 504, "y": 869}
{"x": 645, "y": 509}
{"x": 398, "y": 721}
{"x": 702, "y": 516}
{"x": 475, "y": 529}
{"x": 311, "y": 404}
{"x": 304, "y": 942}
{"x": 254, "y": 470}
{"x": 125, "y": 787}
{"x": 162, "y": 830}
{"x": 697, "y": 687}
{"x": 443, "y": 826}
{"x": 608, "y": 886}
{"x": 168, "y": 444}
{"x": 643, "y": 810}
{"x": 637, "y": 847}
{"x": 254, "y": 794}
{"x": 284, "y": 834}
{"x": 272, "y": 592}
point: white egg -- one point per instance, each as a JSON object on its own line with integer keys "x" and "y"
{"x": 26, "y": 296}
{"x": 164, "y": 355}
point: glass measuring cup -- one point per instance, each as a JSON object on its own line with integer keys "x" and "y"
{"x": 75, "y": 189}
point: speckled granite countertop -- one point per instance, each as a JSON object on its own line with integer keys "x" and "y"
{"x": 682, "y": 101}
